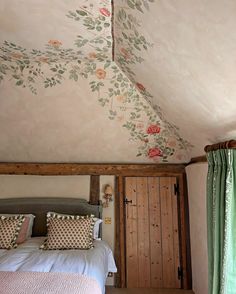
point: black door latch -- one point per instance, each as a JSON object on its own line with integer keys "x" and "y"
{"x": 127, "y": 201}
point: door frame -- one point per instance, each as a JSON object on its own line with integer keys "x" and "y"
{"x": 184, "y": 231}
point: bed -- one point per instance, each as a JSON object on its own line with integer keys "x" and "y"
{"x": 84, "y": 271}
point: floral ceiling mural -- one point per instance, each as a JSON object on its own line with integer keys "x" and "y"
{"x": 179, "y": 55}
{"x": 87, "y": 53}
{"x": 130, "y": 45}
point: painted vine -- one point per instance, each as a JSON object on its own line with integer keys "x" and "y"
{"x": 130, "y": 44}
{"x": 156, "y": 140}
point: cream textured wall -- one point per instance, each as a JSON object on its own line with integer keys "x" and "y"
{"x": 60, "y": 186}
{"x": 196, "y": 177}
{"x": 108, "y": 230}
{"x": 44, "y": 186}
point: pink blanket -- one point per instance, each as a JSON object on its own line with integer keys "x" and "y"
{"x": 47, "y": 283}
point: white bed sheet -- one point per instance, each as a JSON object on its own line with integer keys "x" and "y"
{"x": 27, "y": 257}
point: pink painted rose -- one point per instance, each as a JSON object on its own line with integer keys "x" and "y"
{"x": 55, "y": 43}
{"x": 153, "y": 129}
{"x": 92, "y": 55}
{"x": 120, "y": 98}
{"x": 105, "y": 11}
{"x": 154, "y": 152}
{"x": 140, "y": 86}
{"x": 100, "y": 73}
{"x": 125, "y": 53}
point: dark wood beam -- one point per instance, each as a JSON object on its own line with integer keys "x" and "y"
{"x": 50, "y": 169}
{"x": 94, "y": 190}
{"x": 120, "y": 242}
{"x": 198, "y": 159}
{"x": 112, "y": 29}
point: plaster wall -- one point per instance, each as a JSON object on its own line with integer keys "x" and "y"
{"x": 196, "y": 177}
{"x": 108, "y": 230}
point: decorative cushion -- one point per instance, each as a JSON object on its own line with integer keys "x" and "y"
{"x": 26, "y": 228}
{"x": 96, "y": 228}
{"x": 9, "y": 230}
{"x": 68, "y": 232}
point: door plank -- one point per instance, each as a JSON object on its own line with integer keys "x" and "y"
{"x": 155, "y": 232}
{"x": 143, "y": 233}
{"x": 131, "y": 233}
{"x": 167, "y": 233}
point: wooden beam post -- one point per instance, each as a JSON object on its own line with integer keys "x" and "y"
{"x": 94, "y": 190}
{"x": 120, "y": 233}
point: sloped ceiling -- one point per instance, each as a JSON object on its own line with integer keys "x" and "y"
{"x": 63, "y": 98}
{"x": 181, "y": 54}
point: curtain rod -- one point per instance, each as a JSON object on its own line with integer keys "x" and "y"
{"x": 231, "y": 144}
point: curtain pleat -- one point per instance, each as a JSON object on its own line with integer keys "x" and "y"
{"x": 221, "y": 221}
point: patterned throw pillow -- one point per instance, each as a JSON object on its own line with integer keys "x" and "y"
{"x": 97, "y": 222}
{"x": 26, "y": 228}
{"x": 68, "y": 232}
{"x": 9, "y": 230}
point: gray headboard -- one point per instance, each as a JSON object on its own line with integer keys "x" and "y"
{"x": 40, "y": 206}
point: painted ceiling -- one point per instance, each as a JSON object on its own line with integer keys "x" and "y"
{"x": 181, "y": 53}
{"x": 164, "y": 95}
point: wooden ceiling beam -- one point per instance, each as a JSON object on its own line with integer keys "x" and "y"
{"x": 51, "y": 169}
{"x": 197, "y": 159}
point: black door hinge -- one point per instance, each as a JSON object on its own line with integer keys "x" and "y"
{"x": 176, "y": 189}
{"x": 180, "y": 273}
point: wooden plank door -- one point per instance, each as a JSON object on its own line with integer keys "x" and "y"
{"x": 152, "y": 235}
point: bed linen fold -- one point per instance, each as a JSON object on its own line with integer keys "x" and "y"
{"x": 94, "y": 263}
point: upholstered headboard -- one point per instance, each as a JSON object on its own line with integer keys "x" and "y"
{"x": 40, "y": 206}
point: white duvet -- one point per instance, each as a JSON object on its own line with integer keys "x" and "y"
{"x": 95, "y": 263}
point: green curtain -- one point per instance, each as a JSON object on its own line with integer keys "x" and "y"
{"x": 221, "y": 221}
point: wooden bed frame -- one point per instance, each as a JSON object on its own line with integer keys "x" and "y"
{"x": 40, "y": 206}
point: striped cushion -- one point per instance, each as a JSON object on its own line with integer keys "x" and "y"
{"x": 69, "y": 232}
{"x": 9, "y": 230}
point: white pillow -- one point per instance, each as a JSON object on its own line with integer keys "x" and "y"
{"x": 96, "y": 228}
{"x": 31, "y": 222}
